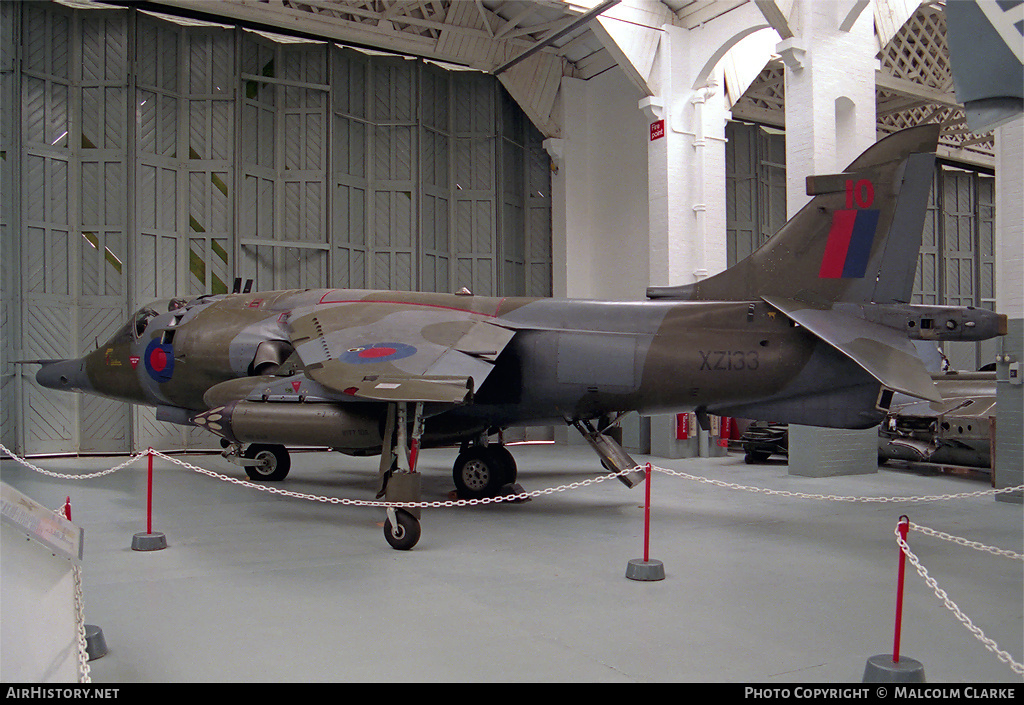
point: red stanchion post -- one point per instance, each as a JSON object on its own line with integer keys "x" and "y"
{"x": 150, "y": 540}
{"x": 149, "y": 494}
{"x": 903, "y": 527}
{"x": 645, "y": 568}
{"x": 889, "y": 668}
{"x": 647, "y": 515}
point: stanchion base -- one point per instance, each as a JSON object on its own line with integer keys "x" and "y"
{"x": 639, "y": 569}
{"x": 95, "y": 644}
{"x": 881, "y": 669}
{"x": 149, "y": 542}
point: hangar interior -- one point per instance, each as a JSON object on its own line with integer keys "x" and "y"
{"x": 165, "y": 148}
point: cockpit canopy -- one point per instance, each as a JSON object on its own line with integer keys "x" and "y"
{"x": 139, "y": 321}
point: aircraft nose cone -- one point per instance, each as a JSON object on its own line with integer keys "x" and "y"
{"x": 67, "y": 375}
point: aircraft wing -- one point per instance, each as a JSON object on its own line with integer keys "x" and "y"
{"x": 397, "y": 351}
{"x": 885, "y": 354}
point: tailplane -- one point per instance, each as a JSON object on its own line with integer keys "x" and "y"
{"x": 856, "y": 241}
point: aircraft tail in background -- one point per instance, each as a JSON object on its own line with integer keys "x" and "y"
{"x": 986, "y": 49}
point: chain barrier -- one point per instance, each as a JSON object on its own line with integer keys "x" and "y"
{"x": 64, "y": 476}
{"x": 519, "y": 497}
{"x": 523, "y": 496}
{"x": 83, "y": 649}
{"x": 76, "y": 579}
{"x": 835, "y": 498}
{"x": 952, "y": 606}
{"x": 1004, "y": 552}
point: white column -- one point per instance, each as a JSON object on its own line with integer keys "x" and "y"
{"x": 686, "y": 176}
{"x": 686, "y": 158}
{"x": 830, "y": 119}
{"x": 1009, "y": 459}
{"x": 600, "y": 209}
{"x": 830, "y": 94}
{"x": 570, "y": 265}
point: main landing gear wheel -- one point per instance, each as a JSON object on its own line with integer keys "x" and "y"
{"x": 503, "y": 456}
{"x": 274, "y": 462}
{"x": 404, "y": 533}
{"x": 481, "y": 471}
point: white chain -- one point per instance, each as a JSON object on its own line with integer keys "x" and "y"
{"x": 64, "y": 476}
{"x": 516, "y": 497}
{"x": 941, "y": 594}
{"x": 398, "y": 505}
{"x": 835, "y": 498}
{"x": 83, "y": 651}
{"x": 1005, "y": 552}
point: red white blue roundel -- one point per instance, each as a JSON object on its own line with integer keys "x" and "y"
{"x": 159, "y": 360}
{"x": 378, "y": 352}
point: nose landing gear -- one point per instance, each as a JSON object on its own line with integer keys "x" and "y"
{"x": 399, "y": 476}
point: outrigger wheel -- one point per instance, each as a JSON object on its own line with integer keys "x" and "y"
{"x": 274, "y": 462}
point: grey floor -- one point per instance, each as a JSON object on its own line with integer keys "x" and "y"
{"x": 758, "y": 588}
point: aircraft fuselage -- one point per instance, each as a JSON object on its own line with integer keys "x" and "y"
{"x": 569, "y": 359}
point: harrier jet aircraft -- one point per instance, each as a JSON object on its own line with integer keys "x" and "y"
{"x": 813, "y": 328}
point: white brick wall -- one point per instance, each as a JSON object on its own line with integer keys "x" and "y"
{"x": 1010, "y": 218}
{"x": 836, "y": 65}
{"x": 1010, "y": 300}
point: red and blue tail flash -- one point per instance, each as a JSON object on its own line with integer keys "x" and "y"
{"x": 849, "y": 244}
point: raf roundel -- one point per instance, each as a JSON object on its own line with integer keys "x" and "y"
{"x": 159, "y": 360}
{"x": 378, "y": 352}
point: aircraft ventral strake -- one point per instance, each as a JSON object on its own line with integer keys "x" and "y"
{"x": 813, "y": 328}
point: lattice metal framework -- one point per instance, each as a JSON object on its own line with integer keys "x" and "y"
{"x": 919, "y": 53}
{"x": 915, "y": 87}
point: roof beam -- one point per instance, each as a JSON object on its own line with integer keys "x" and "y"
{"x": 777, "y": 14}
{"x": 910, "y": 89}
{"x": 514, "y": 21}
{"x": 484, "y": 17}
{"x": 555, "y": 36}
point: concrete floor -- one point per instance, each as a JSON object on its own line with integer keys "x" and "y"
{"x": 758, "y": 588}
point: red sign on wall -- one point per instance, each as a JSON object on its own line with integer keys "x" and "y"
{"x": 682, "y": 426}
{"x": 657, "y": 130}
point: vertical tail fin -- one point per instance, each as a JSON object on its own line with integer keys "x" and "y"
{"x": 855, "y": 241}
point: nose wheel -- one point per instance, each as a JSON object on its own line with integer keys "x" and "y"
{"x": 401, "y": 529}
{"x": 399, "y": 475}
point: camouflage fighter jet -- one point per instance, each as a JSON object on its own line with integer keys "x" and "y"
{"x": 813, "y": 328}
